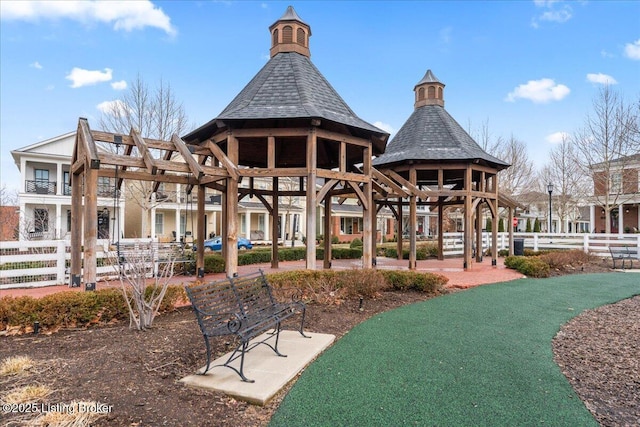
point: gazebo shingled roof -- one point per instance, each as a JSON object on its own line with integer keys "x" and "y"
{"x": 289, "y": 86}
{"x": 431, "y": 135}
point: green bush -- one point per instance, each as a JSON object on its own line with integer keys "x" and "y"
{"x": 529, "y": 266}
{"x": 72, "y": 309}
{"x": 503, "y": 252}
{"x": 501, "y": 225}
{"x": 355, "y": 243}
{"x": 423, "y": 282}
{"x": 536, "y": 226}
{"x": 335, "y": 240}
{"x": 213, "y": 264}
{"x": 528, "y": 229}
{"x": 488, "y": 224}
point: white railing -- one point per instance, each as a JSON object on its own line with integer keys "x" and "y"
{"x": 45, "y": 262}
{"x": 27, "y": 264}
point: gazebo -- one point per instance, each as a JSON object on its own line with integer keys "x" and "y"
{"x": 438, "y": 164}
{"x": 289, "y": 123}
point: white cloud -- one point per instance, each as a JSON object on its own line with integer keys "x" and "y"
{"x": 36, "y": 65}
{"x": 80, "y": 77}
{"x": 601, "y": 79}
{"x": 555, "y": 11}
{"x": 632, "y": 50}
{"x": 113, "y": 108}
{"x": 124, "y": 15}
{"x": 121, "y": 85}
{"x": 606, "y": 54}
{"x": 539, "y": 91}
{"x": 385, "y": 127}
{"x": 557, "y": 137}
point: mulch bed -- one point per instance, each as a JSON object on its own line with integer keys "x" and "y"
{"x": 137, "y": 373}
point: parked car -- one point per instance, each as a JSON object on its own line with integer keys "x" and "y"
{"x": 215, "y": 244}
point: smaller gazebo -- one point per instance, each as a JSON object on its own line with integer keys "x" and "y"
{"x": 435, "y": 162}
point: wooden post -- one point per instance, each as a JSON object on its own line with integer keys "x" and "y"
{"x": 479, "y": 232}
{"x": 200, "y": 237}
{"x": 510, "y": 231}
{"x": 327, "y": 231}
{"x": 90, "y": 227}
{"x": 400, "y": 229}
{"x": 231, "y": 242}
{"x": 275, "y": 218}
{"x": 440, "y": 230}
{"x": 494, "y": 233}
{"x": 312, "y": 159}
{"x": 413, "y": 219}
{"x": 367, "y": 224}
{"x": 468, "y": 225}
{"x": 76, "y": 230}
{"x": 374, "y": 240}
{"x": 440, "y": 216}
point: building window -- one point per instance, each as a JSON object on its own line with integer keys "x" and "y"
{"x": 439, "y": 93}
{"x": 421, "y": 94}
{"x": 105, "y": 188}
{"x": 261, "y": 222}
{"x": 275, "y": 37}
{"x": 66, "y": 177}
{"x": 68, "y": 220}
{"x": 432, "y": 92}
{"x": 183, "y": 224}
{"x": 159, "y": 223}
{"x": 40, "y": 220}
{"x": 42, "y": 181}
{"x": 616, "y": 183}
{"x": 350, "y": 225}
{"x": 287, "y": 34}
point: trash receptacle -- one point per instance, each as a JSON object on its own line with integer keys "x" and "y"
{"x": 518, "y": 246}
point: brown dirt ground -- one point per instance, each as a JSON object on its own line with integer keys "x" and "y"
{"x": 137, "y": 373}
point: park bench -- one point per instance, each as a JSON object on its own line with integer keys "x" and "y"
{"x": 243, "y": 306}
{"x": 623, "y": 253}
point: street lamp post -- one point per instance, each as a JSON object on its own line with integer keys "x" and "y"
{"x": 550, "y": 190}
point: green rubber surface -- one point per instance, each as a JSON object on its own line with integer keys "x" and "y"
{"x": 481, "y": 357}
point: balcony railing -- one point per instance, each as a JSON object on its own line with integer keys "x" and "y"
{"x": 40, "y": 187}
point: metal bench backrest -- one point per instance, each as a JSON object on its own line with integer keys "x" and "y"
{"x": 215, "y": 305}
{"x": 253, "y": 293}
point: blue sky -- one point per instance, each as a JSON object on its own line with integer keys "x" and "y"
{"x": 529, "y": 68}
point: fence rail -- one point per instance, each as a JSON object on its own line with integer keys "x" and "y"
{"x": 46, "y": 262}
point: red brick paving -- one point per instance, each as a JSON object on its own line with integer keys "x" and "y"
{"x": 479, "y": 273}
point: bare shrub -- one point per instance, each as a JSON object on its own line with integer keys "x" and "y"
{"x": 144, "y": 281}
{"x": 563, "y": 260}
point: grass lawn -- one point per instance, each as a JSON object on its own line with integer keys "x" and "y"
{"x": 481, "y": 357}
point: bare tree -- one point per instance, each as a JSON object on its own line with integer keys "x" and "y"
{"x": 569, "y": 183}
{"x": 520, "y": 176}
{"x": 606, "y": 147}
{"x": 155, "y": 113}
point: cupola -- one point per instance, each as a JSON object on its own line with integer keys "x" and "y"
{"x": 290, "y": 34}
{"x": 429, "y": 91}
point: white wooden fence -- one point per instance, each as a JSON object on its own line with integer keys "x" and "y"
{"x": 45, "y": 263}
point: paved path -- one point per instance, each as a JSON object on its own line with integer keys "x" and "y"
{"x": 479, "y": 273}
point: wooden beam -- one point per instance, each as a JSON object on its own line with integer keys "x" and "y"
{"x": 279, "y": 172}
{"x": 398, "y": 190}
{"x": 335, "y": 136}
{"x": 144, "y": 176}
{"x": 328, "y": 186}
{"x": 271, "y": 152}
{"x": 200, "y": 232}
{"x": 194, "y": 167}
{"x": 149, "y": 161}
{"x": 89, "y": 145}
{"x": 230, "y": 167}
{"x": 90, "y": 227}
{"x": 342, "y": 176}
{"x": 368, "y": 211}
{"x": 326, "y": 242}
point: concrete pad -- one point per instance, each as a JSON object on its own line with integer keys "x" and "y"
{"x": 270, "y": 371}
